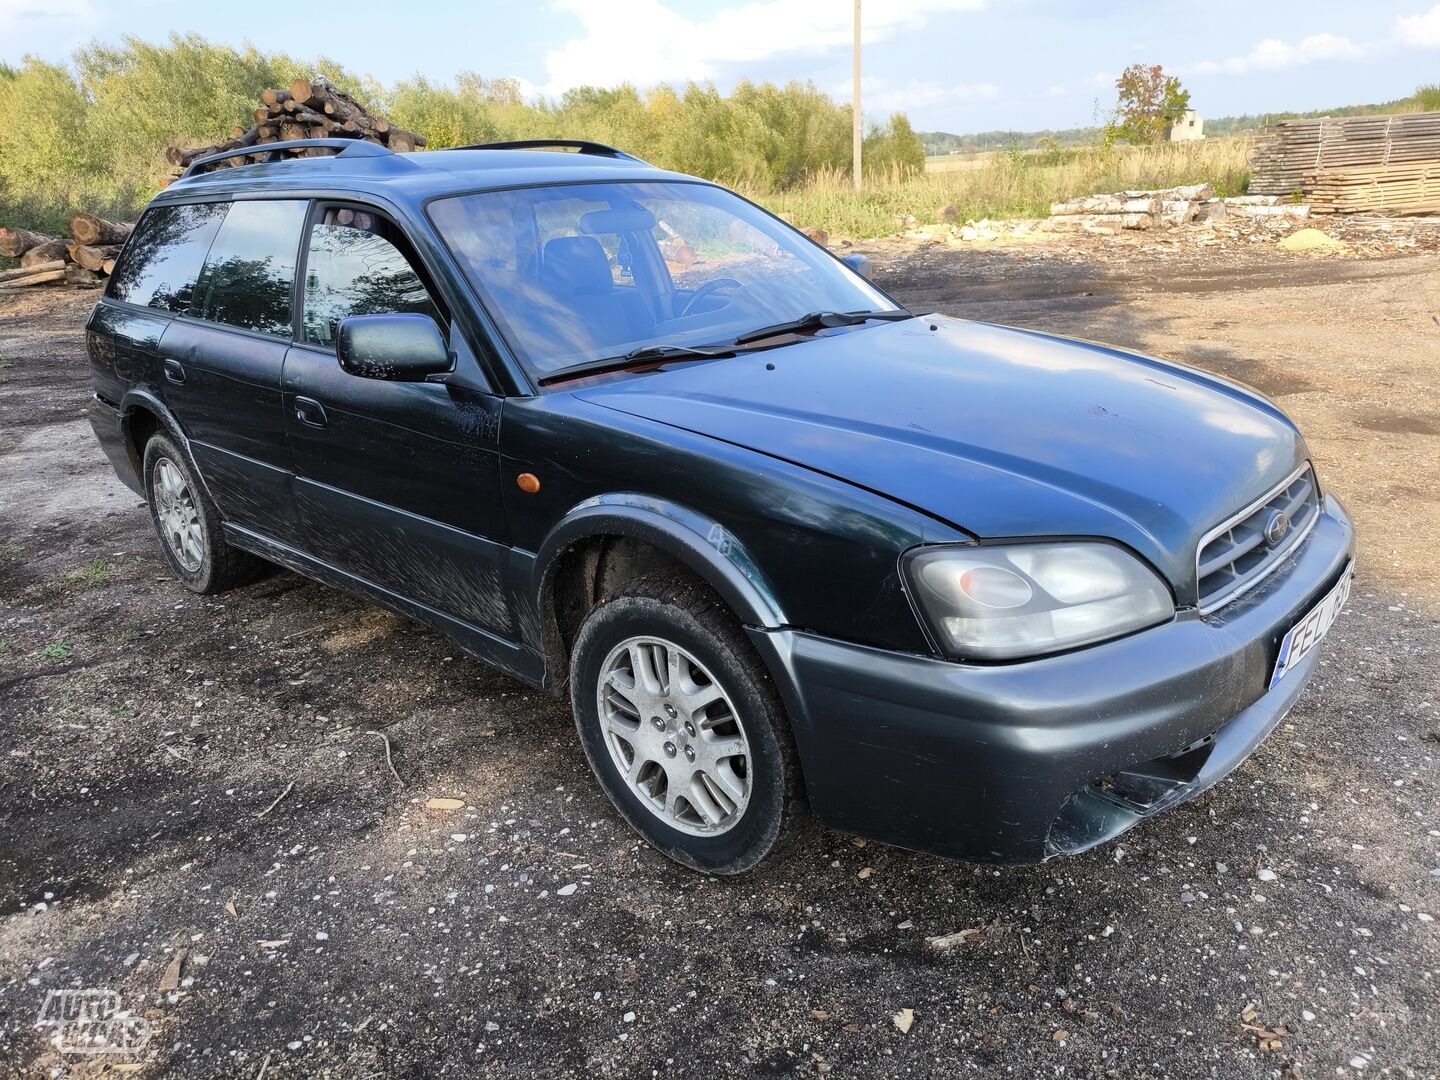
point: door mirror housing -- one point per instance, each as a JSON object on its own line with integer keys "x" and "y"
{"x": 859, "y": 263}
{"x": 398, "y": 347}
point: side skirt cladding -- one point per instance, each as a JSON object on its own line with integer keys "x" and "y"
{"x": 518, "y": 660}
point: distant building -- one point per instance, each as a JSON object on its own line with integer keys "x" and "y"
{"x": 1188, "y": 128}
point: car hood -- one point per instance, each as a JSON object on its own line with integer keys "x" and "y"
{"x": 999, "y": 432}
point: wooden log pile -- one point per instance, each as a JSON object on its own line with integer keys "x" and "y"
{"x": 1142, "y": 210}
{"x": 85, "y": 259}
{"x": 309, "y": 109}
{"x": 1352, "y": 163}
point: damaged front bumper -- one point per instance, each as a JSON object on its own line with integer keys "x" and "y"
{"x": 1024, "y": 762}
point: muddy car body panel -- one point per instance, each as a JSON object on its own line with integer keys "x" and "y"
{"x": 804, "y": 481}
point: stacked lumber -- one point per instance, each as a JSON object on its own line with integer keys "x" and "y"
{"x": 309, "y": 109}
{"x": 86, "y": 259}
{"x": 1412, "y": 188}
{"x": 1352, "y": 163}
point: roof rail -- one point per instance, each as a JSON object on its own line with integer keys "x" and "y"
{"x": 274, "y": 151}
{"x": 580, "y": 146}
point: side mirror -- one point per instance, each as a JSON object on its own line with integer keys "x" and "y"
{"x": 859, "y": 263}
{"x": 400, "y": 348}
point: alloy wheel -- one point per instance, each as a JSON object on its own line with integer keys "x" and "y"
{"x": 674, "y": 735}
{"x": 180, "y": 523}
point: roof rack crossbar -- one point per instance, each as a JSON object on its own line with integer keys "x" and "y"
{"x": 275, "y": 151}
{"x": 581, "y": 146}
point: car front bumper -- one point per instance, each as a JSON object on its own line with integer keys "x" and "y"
{"x": 1023, "y": 762}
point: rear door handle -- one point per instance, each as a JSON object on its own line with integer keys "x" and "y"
{"x": 309, "y": 411}
{"x": 174, "y": 371}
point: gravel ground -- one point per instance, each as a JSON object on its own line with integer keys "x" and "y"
{"x": 1280, "y": 926}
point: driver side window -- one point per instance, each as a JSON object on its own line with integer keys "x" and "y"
{"x": 355, "y": 266}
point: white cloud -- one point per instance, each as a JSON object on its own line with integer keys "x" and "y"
{"x": 28, "y": 16}
{"x": 880, "y": 96}
{"x": 1420, "y": 31}
{"x": 1272, "y": 54}
{"x": 645, "y": 42}
{"x": 1100, "y": 80}
{"x": 1056, "y": 91}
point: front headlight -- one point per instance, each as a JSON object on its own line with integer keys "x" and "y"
{"x": 1000, "y": 603}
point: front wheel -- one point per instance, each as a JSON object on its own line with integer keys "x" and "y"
{"x": 682, "y": 726}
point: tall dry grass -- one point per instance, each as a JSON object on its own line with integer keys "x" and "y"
{"x": 1016, "y": 184}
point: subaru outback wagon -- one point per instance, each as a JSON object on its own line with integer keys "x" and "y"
{"x": 967, "y": 589}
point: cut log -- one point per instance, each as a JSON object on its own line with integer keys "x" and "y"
{"x": 401, "y": 141}
{"x": 44, "y": 277}
{"x": 46, "y": 252}
{"x": 78, "y": 275}
{"x": 93, "y": 257}
{"x": 274, "y": 98}
{"x": 108, "y": 267}
{"x": 88, "y": 229}
{"x": 1107, "y": 204}
{"x": 16, "y": 242}
{"x": 1111, "y": 221}
{"x": 30, "y": 271}
{"x": 302, "y": 90}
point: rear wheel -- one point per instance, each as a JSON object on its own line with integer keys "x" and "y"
{"x": 682, "y": 726}
{"x": 189, "y": 525}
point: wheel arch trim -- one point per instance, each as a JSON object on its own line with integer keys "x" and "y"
{"x": 140, "y": 399}
{"x": 702, "y": 544}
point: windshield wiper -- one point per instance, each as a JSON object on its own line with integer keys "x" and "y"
{"x": 643, "y": 355}
{"x": 820, "y": 320}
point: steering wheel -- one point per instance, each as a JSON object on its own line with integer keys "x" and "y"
{"x": 706, "y": 290}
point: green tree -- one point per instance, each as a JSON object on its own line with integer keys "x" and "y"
{"x": 1149, "y": 102}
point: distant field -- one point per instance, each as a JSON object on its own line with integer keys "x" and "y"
{"x": 962, "y": 162}
{"x": 996, "y": 184}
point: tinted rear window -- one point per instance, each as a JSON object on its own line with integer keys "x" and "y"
{"x": 164, "y": 257}
{"x": 249, "y": 275}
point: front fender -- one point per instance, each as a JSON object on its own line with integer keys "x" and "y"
{"x": 703, "y": 545}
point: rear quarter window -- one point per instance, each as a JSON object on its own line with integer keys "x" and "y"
{"x": 249, "y": 275}
{"x": 163, "y": 259}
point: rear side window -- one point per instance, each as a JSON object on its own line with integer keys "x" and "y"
{"x": 164, "y": 257}
{"x": 359, "y": 268}
{"x": 249, "y": 276}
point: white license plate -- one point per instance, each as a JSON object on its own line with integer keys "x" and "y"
{"x": 1306, "y": 633}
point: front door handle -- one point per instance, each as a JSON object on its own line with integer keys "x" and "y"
{"x": 175, "y": 371}
{"x": 309, "y": 411}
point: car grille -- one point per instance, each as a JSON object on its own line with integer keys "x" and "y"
{"x": 1237, "y": 555}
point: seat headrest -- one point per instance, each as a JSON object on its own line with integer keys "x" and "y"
{"x": 576, "y": 265}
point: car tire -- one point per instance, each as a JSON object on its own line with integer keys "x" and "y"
{"x": 694, "y": 798}
{"x": 188, "y": 525}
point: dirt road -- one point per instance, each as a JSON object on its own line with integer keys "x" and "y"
{"x": 1283, "y": 924}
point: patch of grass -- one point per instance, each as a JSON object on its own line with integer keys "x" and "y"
{"x": 122, "y": 712}
{"x": 95, "y": 573}
{"x": 9, "y": 550}
{"x": 1005, "y": 185}
{"x": 56, "y": 651}
{"x": 125, "y": 637}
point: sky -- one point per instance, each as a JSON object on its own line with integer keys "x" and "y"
{"x": 951, "y": 65}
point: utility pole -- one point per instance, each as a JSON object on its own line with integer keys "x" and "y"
{"x": 857, "y": 128}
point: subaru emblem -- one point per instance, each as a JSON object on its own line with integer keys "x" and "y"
{"x": 1277, "y": 527}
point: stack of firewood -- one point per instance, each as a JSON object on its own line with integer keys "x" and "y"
{"x": 85, "y": 259}
{"x": 308, "y": 110}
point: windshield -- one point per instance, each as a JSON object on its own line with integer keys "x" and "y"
{"x": 587, "y": 272}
